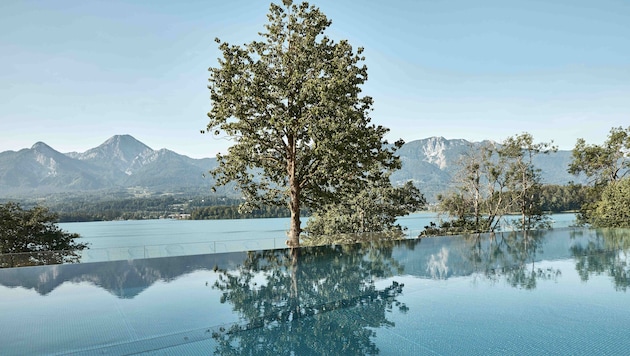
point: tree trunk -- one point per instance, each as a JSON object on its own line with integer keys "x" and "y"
{"x": 294, "y": 199}
{"x": 295, "y": 292}
{"x": 524, "y": 198}
{"x": 294, "y": 206}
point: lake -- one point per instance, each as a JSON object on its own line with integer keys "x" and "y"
{"x": 132, "y": 233}
{"x": 121, "y": 240}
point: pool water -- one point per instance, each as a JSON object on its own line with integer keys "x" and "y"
{"x": 562, "y": 291}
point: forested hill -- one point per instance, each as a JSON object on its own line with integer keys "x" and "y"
{"x": 123, "y": 164}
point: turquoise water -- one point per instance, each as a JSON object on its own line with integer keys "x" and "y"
{"x": 133, "y": 233}
{"x": 558, "y": 292}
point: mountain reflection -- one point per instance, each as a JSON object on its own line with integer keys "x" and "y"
{"x": 512, "y": 258}
{"x": 124, "y": 279}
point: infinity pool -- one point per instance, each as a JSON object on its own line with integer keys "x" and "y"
{"x": 559, "y": 292}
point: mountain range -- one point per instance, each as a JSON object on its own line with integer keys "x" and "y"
{"x": 122, "y": 163}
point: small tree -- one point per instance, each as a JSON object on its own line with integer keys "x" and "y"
{"x": 31, "y": 237}
{"x": 492, "y": 182}
{"x": 524, "y": 179}
{"x": 479, "y": 199}
{"x": 292, "y": 105}
{"x": 613, "y": 209}
{"x": 604, "y": 165}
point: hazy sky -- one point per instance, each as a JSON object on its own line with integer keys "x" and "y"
{"x": 74, "y": 73}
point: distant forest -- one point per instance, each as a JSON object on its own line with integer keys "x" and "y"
{"x": 555, "y": 198}
{"x": 156, "y": 207}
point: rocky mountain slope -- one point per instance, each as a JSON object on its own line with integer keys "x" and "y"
{"x": 431, "y": 164}
{"x": 122, "y": 162}
{"x": 119, "y": 163}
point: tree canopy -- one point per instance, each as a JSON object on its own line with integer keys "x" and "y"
{"x": 291, "y": 103}
{"x": 603, "y": 163}
{"x": 31, "y": 237}
{"x": 607, "y": 166}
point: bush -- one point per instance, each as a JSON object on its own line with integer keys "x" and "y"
{"x": 31, "y": 237}
{"x": 613, "y": 209}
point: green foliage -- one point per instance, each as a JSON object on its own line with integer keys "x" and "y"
{"x": 523, "y": 179}
{"x": 560, "y": 198}
{"x": 459, "y": 226}
{"x": 124, "y": 207}
{"x": 613, "y": 209}
{"x": 603, "y": 164}
{"x": 371, "y": 210}
{"x": 479, "y": 199}
{"x": 233, "y": 212}
{"x": 31, "y": 237}
{"x": 291, "y": 103}
{"x": 607, "y": 166}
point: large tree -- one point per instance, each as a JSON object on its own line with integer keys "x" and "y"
{"x": 31, "y": 237}
{"x": 292, "y": 104}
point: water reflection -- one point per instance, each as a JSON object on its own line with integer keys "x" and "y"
{"x": 608, "y": 253}
{"x": 511, "y": 257}
{"x": 321, "y": 300}
{"x": 437, "y": 266}
{"x": 124, "y": 279}
{"x": 296, "y": 302}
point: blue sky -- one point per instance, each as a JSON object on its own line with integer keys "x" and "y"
{"x": 74, "y": 73}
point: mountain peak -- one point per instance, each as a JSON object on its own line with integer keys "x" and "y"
{"x": 126, "y": 141}
{"x": 41, "y": 147}
{"x": 119, "y": 147}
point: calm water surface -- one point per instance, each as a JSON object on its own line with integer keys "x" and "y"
{"x": 109, "y": 234}
{"x": 559, "y": 292}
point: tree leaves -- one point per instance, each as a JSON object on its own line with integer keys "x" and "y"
{"x": 30, "y": 237}
{"x": 292, "y": 105}
{"x": 607, "y": 166}
{"x": 603, "y": 163}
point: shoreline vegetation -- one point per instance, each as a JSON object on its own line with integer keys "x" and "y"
{"x": 556, "y": 199}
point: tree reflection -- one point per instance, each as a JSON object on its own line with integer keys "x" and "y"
{"x": 317, "y": 301}
{"x": 608, "y": 253}
{"x": 510, "y": 256}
